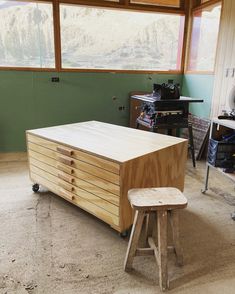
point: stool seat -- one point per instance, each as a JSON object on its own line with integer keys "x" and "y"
{"x": 157, "y": 198}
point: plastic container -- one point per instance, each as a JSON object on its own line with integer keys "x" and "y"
{"x": 221, "y": 154}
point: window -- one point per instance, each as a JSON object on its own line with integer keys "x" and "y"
{"x": 204, "y": 37}
{"x": 26, "y": 34}
{"x": 170, "y": 3}
{"x": 102, "y": 38}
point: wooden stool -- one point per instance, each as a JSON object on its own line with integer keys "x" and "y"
{"x": 158, "y": 202}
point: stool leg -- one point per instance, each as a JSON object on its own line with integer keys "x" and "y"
{"x": 148, "y": 230}
{"x": 162, "y": 249}
{"x": 174, "y": 220}
{"x": 134, "y": 238}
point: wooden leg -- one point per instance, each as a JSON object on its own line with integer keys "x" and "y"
{"x": 162, "y": 249}
{"x": 148, "y": 227}
{"x": 174, "y": 220}
{"x": 134, "y": 238}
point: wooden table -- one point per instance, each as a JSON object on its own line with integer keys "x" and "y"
{"x": 94, "y": 164}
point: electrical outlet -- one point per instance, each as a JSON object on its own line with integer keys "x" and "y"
{"x": 55, "y": 79}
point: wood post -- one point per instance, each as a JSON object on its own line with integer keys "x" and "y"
{"x": 174, "y": 220}
{"x": 162, "y": 249}
{"x": 134, "y": 239}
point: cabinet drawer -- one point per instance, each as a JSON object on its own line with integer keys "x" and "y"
{"x": 94, "y": 180}
{"x": 74, "y": 153}
{"x": 106, "y": 205}
{"x": 71, "y": 179}
{"x": 106, "y": 185}
{"x": 75, "y": 199}
{"x": 90, "y": 169}
{"x": 71, "y": 162}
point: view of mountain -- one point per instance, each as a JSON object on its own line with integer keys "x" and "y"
{"x": 115, "y": 39}
{"x": 91, "y": 37}
{"x": 26, "y": 34}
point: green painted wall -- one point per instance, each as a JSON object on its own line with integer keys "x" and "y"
{"x": 30, "y": 100}
{"x": 199, "y": 86}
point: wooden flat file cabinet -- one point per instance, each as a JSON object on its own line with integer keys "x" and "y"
{"x": 93, "y": 165}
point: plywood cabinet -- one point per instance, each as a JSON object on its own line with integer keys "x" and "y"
{"x": 94, "y": 164}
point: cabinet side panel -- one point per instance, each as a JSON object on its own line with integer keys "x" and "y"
{"x": 164, "y": 168}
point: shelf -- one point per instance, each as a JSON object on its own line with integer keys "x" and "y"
{"x": 228, "y": 124}
{"x": 225, "y": 122}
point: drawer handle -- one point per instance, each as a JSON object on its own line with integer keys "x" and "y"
{"x": 64, "y": 151}
{"x": 66, "y": 178}
{"x": 66, "y": 194}
{"x": 67, "y": 187}
{"x": 66, "y": 161}
{"x": 65, "y": 169}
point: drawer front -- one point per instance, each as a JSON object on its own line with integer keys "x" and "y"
{"x": 102, "y": 203}
{"x": 90, "y": 169}
{"x": 79, "y": 201}
{"x": 71, "y": 162}
{"x": 83, "y": 175}
{"x": 71, "y": 179}
{"x": 74, "y": 153}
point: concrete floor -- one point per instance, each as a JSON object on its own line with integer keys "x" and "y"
{"x": 49, "y": 246}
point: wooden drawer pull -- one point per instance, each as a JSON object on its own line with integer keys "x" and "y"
{"x": 66, "y": 194}
{"x": 65, "y": 169}
{"x": 66, "y": 178}
{"x": 64, "y": 151}
{"x": 65, "y": 186}
{"x": 65, "y": 160}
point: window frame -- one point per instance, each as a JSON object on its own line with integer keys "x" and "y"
{"x": 120, "y": 5}
{"x": 199, "y": 8}
{"x": 45, "y": 69}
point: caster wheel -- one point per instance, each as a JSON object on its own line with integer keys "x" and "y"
{"x": 35, "y": 188}
{"x": 124, "y": 234}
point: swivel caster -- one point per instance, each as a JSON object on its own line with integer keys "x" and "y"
{"x": 35, "y": 188}
{"x": 124, "y": 234}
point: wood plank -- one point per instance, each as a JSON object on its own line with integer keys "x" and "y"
{"x": 170, "y": 3}
{"x": 112, "y": 142}
{"x": 42, "y": 150}
{"x": 77, "y": 182}
{"x": 82, "y": 203}
{"x": 134, "y": 240}
{"x": 157, "y": 198}
{"x": 81, "y": 165}
{"x": 77, "y": 154}
{"x": 91, "y": 169}
{"x": 108, "y": 186}
{"x": 78, "y": 191}
{"x": 174, "y": 221}
{"x": 162, "y": 249}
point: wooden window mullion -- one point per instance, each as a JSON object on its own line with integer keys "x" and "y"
{"x": 57, "y": 35}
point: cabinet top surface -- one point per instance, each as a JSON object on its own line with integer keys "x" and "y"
{"x": 111, "y": 141}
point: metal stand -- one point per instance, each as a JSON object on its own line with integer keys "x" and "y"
{"x": 169, "y": 128}
{"x": 206, "y": 180}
